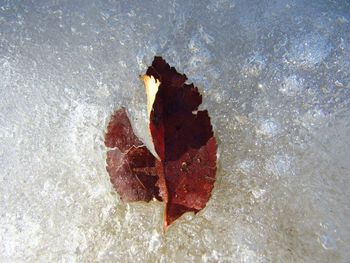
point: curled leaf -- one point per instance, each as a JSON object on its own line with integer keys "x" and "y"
{"x": 183, "y": 139}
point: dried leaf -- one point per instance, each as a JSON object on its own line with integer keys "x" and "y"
{"x": 183, "y": 139}
{"x": 130, "y": 165}
{"x": 183, "y": 172}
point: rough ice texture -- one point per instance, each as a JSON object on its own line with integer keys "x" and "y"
{"x": 275, "y": 76}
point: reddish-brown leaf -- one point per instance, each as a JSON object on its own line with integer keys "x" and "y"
{"x": 183, "y": 172}
{"x": 130, "y": 165}
{"x": 183, "y": 139}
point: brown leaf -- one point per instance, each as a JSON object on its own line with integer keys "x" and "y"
{"x": 183, "y": 172}
{"x": 183, "y": 139}
{"x": 130, "y": 165}
{"x": 120, "y": 133}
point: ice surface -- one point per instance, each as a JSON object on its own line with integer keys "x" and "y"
{"x": 276, "y": 80}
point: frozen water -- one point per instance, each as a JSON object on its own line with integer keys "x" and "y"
{"x": 276, "y": 80}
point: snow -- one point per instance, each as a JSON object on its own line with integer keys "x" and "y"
{"x": 275, "y": 79}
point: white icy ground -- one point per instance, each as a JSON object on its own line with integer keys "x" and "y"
{"x": 275, "y": 76}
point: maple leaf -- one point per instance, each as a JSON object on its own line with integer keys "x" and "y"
{"x": 182, "y": 174}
